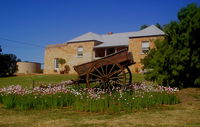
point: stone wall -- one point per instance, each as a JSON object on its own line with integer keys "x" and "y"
{"x": 135, "y": 46}
{"x": 69, "y": 53}
{"x": 28, "y": 67}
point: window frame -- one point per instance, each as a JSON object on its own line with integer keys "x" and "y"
{"x": 56, "y": 64}
{"x": 79, "y": 53}
{"x": 146, "y": 49}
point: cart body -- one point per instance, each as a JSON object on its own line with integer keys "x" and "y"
{"x": 103, "y": 68}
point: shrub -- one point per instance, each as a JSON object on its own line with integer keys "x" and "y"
{"x": 67, "y": 69}
{"x": 61, "y": 61}
{"x": 8, "y": 64}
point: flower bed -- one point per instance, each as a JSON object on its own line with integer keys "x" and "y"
{"x": 136, "y": 96}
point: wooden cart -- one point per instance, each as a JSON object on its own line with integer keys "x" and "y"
{"x": 107, "y": 72}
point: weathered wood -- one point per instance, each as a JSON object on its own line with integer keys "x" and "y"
{"x": 123, "y": 57}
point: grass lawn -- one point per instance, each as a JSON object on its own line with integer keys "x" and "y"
{"x": 27, "y": 81}
{"x": 185, "y": 114}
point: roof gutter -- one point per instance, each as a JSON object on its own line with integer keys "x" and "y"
{"x": 147, "y": 36}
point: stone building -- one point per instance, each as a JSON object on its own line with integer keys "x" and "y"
{"x": 91, "y": 46}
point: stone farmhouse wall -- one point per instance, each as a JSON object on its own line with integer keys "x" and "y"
{"x": 69, "y": 53}
{"x": 135, "y": 46}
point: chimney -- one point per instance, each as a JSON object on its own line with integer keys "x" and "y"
{"x": 109, "y": 33}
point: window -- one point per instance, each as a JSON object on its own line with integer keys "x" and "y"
{"x": 145, "y": 47}
{"x": 99, "y": 52}
{"x": 56, "y": 64}
{"x": 110, "y": 51}
{"x": 80, "y": 51}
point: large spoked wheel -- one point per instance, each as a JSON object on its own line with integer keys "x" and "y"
{"x": 128, "y": 76}
{"x": 106, "y": 75}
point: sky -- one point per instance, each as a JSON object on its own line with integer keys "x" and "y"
{"x": 28, "y": 26}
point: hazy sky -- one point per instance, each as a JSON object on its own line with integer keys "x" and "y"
{"x": 44, "y": 22}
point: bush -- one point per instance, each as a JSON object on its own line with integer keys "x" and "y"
{"x": 67, "y": 69}
{"x": 8, "y": 64}
{"x": 61, "y": 61}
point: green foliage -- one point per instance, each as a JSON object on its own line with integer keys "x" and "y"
{"x": 176, "y": 59}
{"x": 8, "y": 64}
{"x": 24, "y": 102}
{"x": 27, "y": 81}
{"x": 116, "y": 102}
{"x": 137, "y": 77}
{"x": 61, "y": 61}
{"x": 143, "y": 26}
{"x": 159, "y": 26}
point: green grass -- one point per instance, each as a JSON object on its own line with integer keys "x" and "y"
{"x": 27, "y": 81}
{"x": 179, "y": 115}
{"x": 137, "y": 77}
{"x": 128, "y": 102}
{"x": 184, "y": 114}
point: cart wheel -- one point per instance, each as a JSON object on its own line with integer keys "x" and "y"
{"x": 106, "y": 75}
{"x": 128, "y": 76}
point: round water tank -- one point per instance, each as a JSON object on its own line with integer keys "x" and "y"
{"x": 28, "y": 67}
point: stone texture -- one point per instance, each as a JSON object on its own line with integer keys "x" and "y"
{"x": 28, "y": 67}
{"x": 69, "y": 53}
{"x": 135, "y": 46}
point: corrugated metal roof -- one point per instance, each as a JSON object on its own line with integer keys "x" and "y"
{"x": 118, "y": 39}
{"x": 149, "y": 31}
{"x": 86, "y": 37}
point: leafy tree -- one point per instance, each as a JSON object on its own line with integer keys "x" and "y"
{"x": 176, "y": 60}
{"x": 8, "y": 64}
{"x": 143, "y": 26}
{"x": 159, "y": 26}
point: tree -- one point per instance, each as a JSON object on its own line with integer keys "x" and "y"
{"x": 176, "y": 60}
{"x": 143, "y": 26}
{"x": 159, "y": 26}
{"x": 8, "y": 64}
